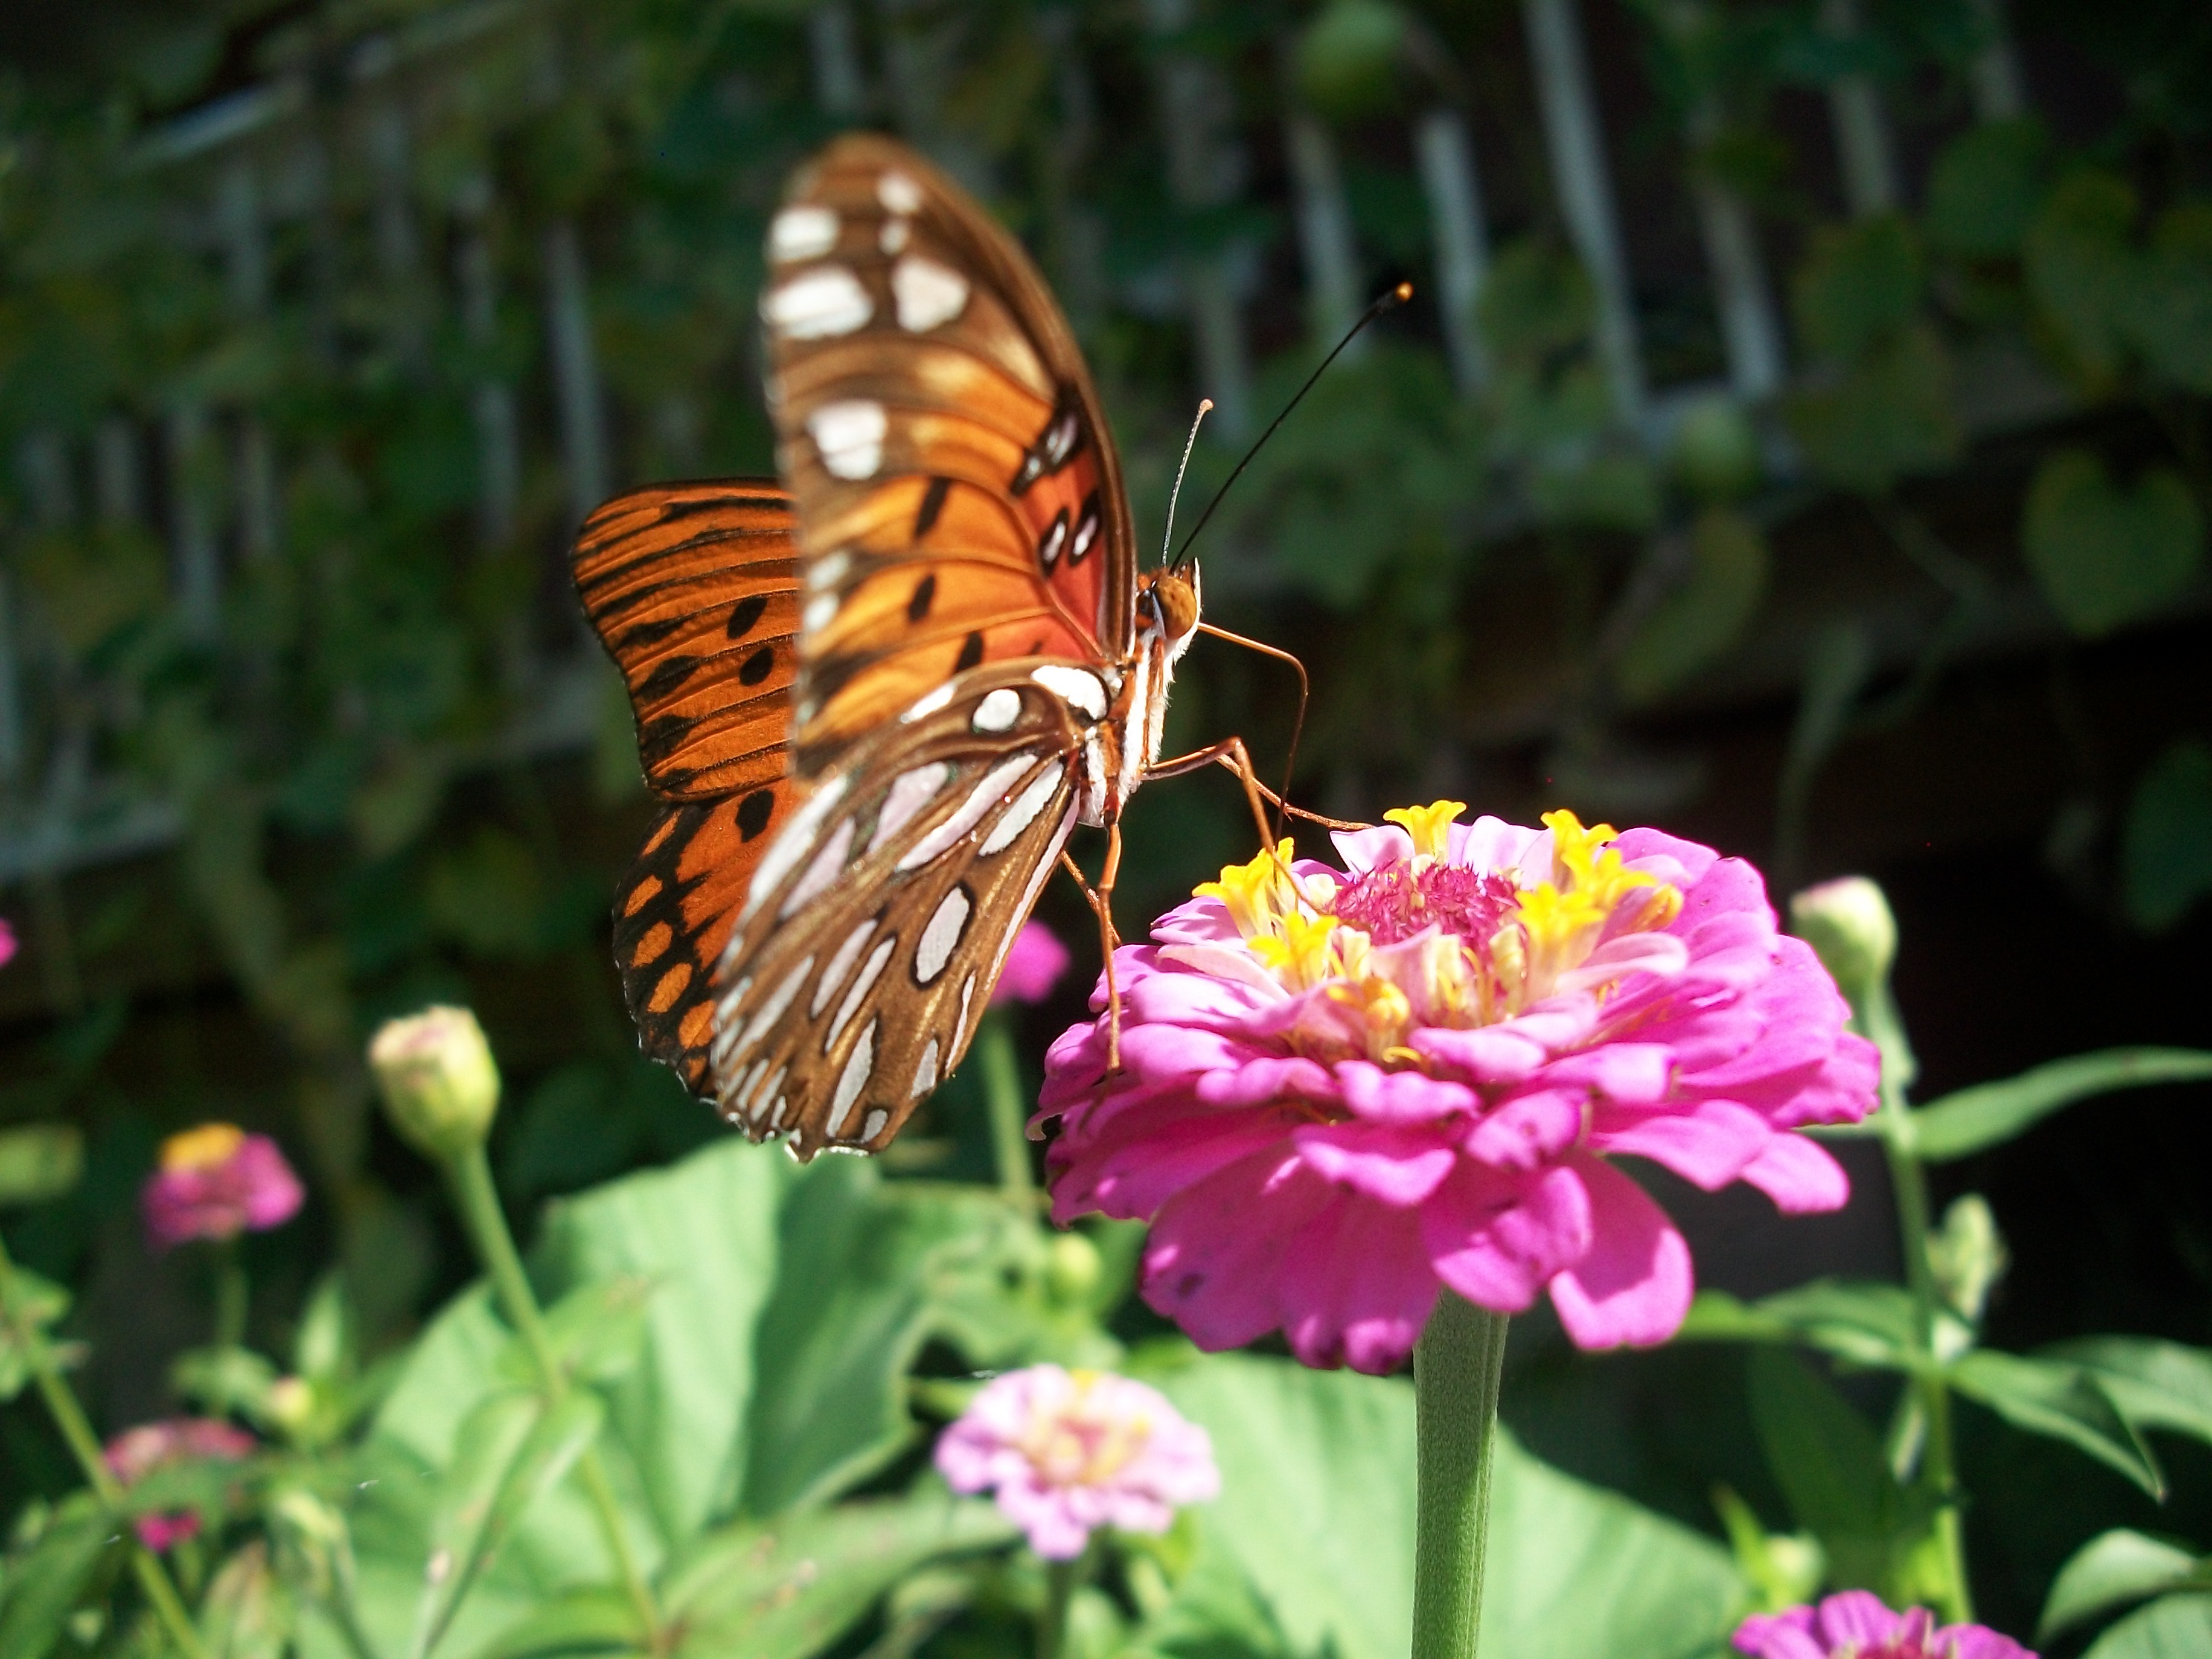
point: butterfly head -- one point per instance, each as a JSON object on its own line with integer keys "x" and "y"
{"x": 1168, "y": 603}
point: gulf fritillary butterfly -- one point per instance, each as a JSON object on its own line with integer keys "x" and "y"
{"x": 876, "y": 701}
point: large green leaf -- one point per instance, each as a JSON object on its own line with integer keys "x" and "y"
{"x": 786, "y": 1588}
{"x": 2108, "y": 554}
{"x": 1317, "y": 1511}
{"x": 1862, "y": 1320}
{"x": 1702, "y": 620}
{"x": 2060, "y": 1401}
{"x": 1828, "y": 1461}
{"x": 40, "y": 1161}
{"x": 2156, "y": 1385}
{"x": 43, "y": 1582}
{"x": 2165, "y": 847}
{"x": 2173, "y": 1627}
{"x": 1987, "y": 1115}
{"x": 2109, "y": 1572}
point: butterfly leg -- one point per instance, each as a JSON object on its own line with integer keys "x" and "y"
{"x": 1232, "y": 753}
{"x": 1101, "y": 901}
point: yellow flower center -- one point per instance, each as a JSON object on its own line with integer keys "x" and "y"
{"x": 1079, "y": 1444}
{"x": 208, "y": 1147}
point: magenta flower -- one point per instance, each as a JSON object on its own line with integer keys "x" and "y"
{"x": 217, "y": 1181}
{"x": 1341, "y": 1090}
{"x": 7, "y": 941}
{"x": 1035, "y": 963}
{"x": 1067, "y": 1451}
{"x": 1854, "y": 1625}
{"x": 136, "y": 1453}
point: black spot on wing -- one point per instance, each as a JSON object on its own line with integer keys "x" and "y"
{"x": 638, "y": 635}
{"x": 755, "y": 669}
{"x": 971, "y": 653}
{"x": 667, "y": 676}
{"x": 744, "y": 615}
{"x": 932, "y": 503}
{"x": 925, "y": 594}
{"x": 753, "y": 812}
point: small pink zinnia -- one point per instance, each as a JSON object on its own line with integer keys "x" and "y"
{"x": 136, "y": 1453}
{"x": 1341, "y": 1089}
{"x": 1856, "y": 1624}
{"x": 7, "y": 941}
{"x": 217, "y": 1181}
{"x": 1067, "y": 1451}
{"x": 1035, "y": 963}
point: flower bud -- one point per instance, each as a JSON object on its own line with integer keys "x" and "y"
{"x": 1072, "y": 1269}
{"x": 290, "y": 1405}
{"x": 1967, "y": 1255}
{"x": 1848, "y": 923}
{"x": 439, "y": 1083}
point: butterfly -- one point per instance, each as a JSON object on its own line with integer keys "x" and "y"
{"x": 875, "y": 699}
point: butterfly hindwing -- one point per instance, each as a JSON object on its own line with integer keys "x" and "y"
{"x": 959, "y": 492}
{"x": 873, "y": 930}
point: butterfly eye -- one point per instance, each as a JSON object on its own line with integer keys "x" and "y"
{"x": 1176, "y": 601}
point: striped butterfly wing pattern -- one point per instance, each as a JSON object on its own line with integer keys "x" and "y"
{"x": 694, "y": 588}
{"x": 966, "y": 593}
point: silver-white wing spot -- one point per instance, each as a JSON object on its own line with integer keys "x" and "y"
{"x": 942, "y": 936}
{"x": 732, "y": 998}
{"x": 852, "y": 1080}
{"x": 819, "y": 306}
{"x": 928, "y": 704}
{"x": 772, "y": 1010}
{"x": 828, "y": 864}
{"x": 898, "y": 193}
{"x": 1079, "y": 688}
{"x": 896, "y": 235}
{"x": 925, "y": 1074}
{"x": 792, "y": 842}
{"x": 829, "y": 569}
{"x": 981, "y": 799}
{"x": 909, "y": 792}
{"x": 871, "y": 970}
{"x": 1022, "y": 811}
{"x": 821, "y": 610}
{"x": 849, "y": 434}
{"x": 927, "y": 293}
{"x": 840, "y": 964}
{"x": 872, "y": 1125}
{"x": 770, "y": 1090}
{"x": 999, "y": 711}
{"x": 967, "y": 994}
{"x": 805, "y": 232}
{"x": 734, "y": 1101}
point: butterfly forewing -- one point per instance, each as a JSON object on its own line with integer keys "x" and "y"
{"x": 873, "y": 930}
{"x": 694, "y": 588}
{"x": 959, "y": 496}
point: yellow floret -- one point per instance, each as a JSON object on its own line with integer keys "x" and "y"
{"x": 204, "y": 1148}
{"x": 1427, "y": 824}
{"x": 1257, "y": 895}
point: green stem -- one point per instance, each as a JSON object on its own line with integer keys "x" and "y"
{"x": 76, "y": 1430}
{"x": 1457, "y": 1367}
{"x": 1061, "y": 1580}
{"x": 1908, "y": 1179}
{"x": 231, "y": 1296}
{"x": 479, "y": 1201}
{"x": 1002, "y": 1095}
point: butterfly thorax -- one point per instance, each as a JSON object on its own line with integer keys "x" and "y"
{"x": 1119, "y": 748}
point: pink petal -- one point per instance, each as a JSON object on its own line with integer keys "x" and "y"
{"x": 1489, "y": 1054}
{"x": 1858, "y": 1616}
{"x": 1528, "y": 1130}
{"x": 1217, "y": 1249}
{"x": 1398, "y": 1166}
{"x": 1711, "y": 1144}
{"x": 1357, "y": 1287}
{"x": 1797, "y": 1173}
{"x": 1401, "y": 1098}
{"x": 1633, "y": 1286}
{"x": 1496, "y": 1240}
{"x": 1362, "y": 850}
{"x": 1779, "y": 1636}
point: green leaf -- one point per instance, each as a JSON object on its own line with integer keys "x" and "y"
{"x": 2105, "y": 556}
{"x": 850, "y": 1311}
{"x": 596, "y": 1333}
{"x": 1887, "y": 415}
{"x": 246, "y": 1613}
{"x": 43, "y": 1583}
{"x": 36, "y": 1301}
{"x": 2173, "y": 1627}
{"x": 1985, "y": 187}
{"x": 2156, "y": 1385}
{"x": 2081, "y": 270}
{"x": 788, "y": 1589}
{"x": 1987, "y": 1115}
{"x": 1861, "y": 1321}
{"x": 40, "y": 1161}
{"x": 2061, "y": 1402}
{"x": 1318, "y": 1512}
{"x": 2170, "y": 325}
{"x": 590, "y": 1620}
{"x": 1860, "y": 287}
{"x": 2111, "y": 1571}
{"x": 1701, "y": 621}
{"x": 1828, "y": 1462}
{"x": 2166, "y": 849}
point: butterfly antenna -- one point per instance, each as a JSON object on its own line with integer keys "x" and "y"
{"x": 1167, "y": 539}
{"x": 1396, "y": 296}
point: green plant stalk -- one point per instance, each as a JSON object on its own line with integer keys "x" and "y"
{"x": 1061, "y": 1580}
{"x": 1002, "y": 1098}
{"x": 1908, "y": 1179}
{"x": 76, "y": 1429}
{"x": 1457, "y": 1366}
{"x": 478, "y": 1201}
{"x": 231, "y": 1296}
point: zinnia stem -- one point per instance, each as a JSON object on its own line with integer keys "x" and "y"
{"x": 231, "y": 1296}
{"x": 1061, "y": 1579}
{"x": 75, "y": 1429}
{"x": 1457, "y": 1365}
{"x": 1002, "y": 1096}
{"x": 478, "y": 1201}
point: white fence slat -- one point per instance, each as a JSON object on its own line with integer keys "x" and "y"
{"x": 575, "y": 371}
{"x": 1326, "y": 242}
{"x": 1445, "y": 151}
{"x": 1994, "y": 79}
{"x": 1862, "y": 145}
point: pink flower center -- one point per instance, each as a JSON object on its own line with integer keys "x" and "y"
{"x": 1078, "y": 1445}
{"x": 1395, "y": 900}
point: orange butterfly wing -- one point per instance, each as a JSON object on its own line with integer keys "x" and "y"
{"x": 959, "y": 493}
{"x": 694, "y": 589}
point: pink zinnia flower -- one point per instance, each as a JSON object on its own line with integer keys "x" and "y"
{"x": 7, "y": 941}
{"x": 136, "y": 1453}
{"x": 1343, "y": 1090}
{"x": 1035, "y": 963}
{"x": 1067, "y": 1451}
{"x": 1854, "y": 1625}
{"x": 217, "y": 1181}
